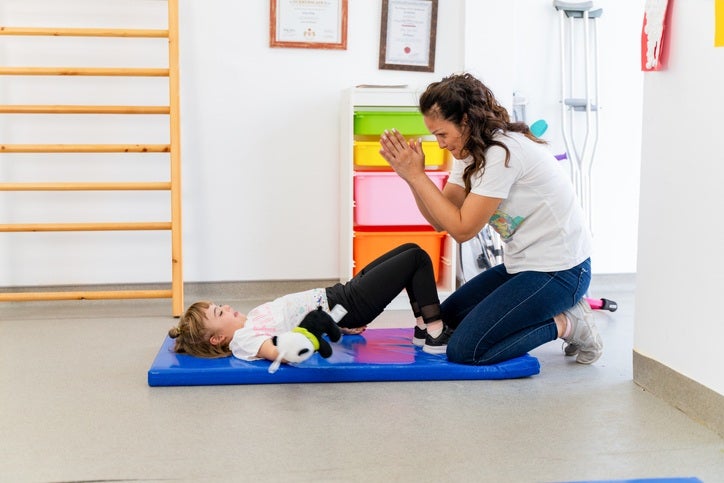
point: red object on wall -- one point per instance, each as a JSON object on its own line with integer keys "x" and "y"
{"x": 655, "y": 34}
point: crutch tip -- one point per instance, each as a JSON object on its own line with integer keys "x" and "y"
{"x": 609, "y": 305}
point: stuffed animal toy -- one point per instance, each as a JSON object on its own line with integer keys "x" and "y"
{"x": 300, "y": 343}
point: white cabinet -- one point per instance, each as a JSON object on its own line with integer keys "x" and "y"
{"x": 361, "y": 237}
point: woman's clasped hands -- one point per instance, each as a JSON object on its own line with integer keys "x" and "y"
{"x": 406, "y": 158}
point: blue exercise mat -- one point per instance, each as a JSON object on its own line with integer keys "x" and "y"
{"x": 645, "y": 480}
{"x": 376, "y": 355}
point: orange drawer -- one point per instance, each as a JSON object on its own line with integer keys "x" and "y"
{"x": 368, "y": 245}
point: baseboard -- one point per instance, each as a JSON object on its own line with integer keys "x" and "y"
{"x": 254, "y": 290}
{"x": 237, "y": 290}
{"x": 692, "y": 398}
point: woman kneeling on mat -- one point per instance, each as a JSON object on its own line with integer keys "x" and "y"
{"x": 211, "y": 330}
{"x": 504, "y": 176}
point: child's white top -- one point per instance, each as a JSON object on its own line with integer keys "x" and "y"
{"x": 274, "y": 318}
{"x": 540, "y": 219}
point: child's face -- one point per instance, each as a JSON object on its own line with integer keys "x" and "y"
{"x": 222, "y": 321}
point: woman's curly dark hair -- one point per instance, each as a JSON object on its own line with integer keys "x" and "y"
{"x": 466, "y": 102}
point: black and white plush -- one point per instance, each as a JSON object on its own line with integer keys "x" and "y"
{"x": 304, "y": 340}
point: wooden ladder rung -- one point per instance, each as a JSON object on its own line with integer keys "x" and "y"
{"x": 69, "y": 109}
{"x": 85, "y": 295}
{"x": 104, "y": 186}
{"x": 84, "y": 32}
{"x": 88, "y": 71}
{"x": 133, "y": 226}
{"x": 85, "y": 148}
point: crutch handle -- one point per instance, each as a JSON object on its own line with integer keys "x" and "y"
{"x": 573, "y": 6}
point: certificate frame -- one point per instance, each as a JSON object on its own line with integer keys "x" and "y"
{"x": 408, "y": 33}
{"x": 295, "y": 24}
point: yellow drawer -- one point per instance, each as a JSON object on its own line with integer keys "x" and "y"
{"x": 367, "y": 154}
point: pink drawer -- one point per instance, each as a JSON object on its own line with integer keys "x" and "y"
{"x": 384, "y": 199}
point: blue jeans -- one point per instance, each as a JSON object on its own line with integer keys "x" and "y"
{"x": 498, "y": 316}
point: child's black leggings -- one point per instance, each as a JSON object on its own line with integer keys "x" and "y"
{"x": 375, "y": 286}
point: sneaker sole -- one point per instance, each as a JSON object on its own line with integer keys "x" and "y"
{"x": 595, "y": 354}
{"x": 595, "y": 358}
{"x": 418, "y": 342}
{"x": 437, "y": 350}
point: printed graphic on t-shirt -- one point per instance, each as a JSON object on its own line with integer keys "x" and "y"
{"x": 505, "y": 224}
{"x": 261, "y": 320}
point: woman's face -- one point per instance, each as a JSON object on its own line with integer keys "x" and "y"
{"x": 221, "y": 322}
{"x": 448, "y": 135}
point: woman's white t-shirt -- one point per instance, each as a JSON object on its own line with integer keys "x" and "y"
{"x": 274, "y": 318}
{"x": 540, "y": 219}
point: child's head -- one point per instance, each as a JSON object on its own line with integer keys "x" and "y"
{"x": 195, "y": 335}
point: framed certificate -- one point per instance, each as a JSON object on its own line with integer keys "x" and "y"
{"x": 407, "y": 35}
{"x": 308, "y": 24}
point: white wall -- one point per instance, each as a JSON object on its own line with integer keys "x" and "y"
{"x": 514, "y": 46}
{"x": 260, "y": 135}
{"x": 680, "y": 261}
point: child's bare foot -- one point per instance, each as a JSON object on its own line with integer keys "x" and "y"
{"x": 353, "y": 331}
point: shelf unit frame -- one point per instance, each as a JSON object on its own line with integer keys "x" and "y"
{"x": 365, "y": 97}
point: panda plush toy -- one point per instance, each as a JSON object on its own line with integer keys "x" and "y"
{"x": 303, "y": 341}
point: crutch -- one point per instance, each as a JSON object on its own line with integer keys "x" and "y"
{"x": 575, "y": 17}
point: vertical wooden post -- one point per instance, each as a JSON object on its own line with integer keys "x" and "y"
{"x": 177, "y": 288}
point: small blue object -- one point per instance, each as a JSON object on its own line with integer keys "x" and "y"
{"x": 539, "y": 127}
{"x": 376, "y": 355}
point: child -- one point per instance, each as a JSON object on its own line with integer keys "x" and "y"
{"x": 211, "y": 330}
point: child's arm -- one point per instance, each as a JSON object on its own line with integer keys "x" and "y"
{"x": 299, "y": 343}
{"x": 268, "y": 350}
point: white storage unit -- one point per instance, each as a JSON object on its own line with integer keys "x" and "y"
{"x": 362, "y": 100}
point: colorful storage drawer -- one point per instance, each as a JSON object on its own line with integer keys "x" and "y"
{"x": 368, "y": 245}
{"x": 382, "y": 198}
{"x": 374, "y": 122}
{"x": 367, "y": 154}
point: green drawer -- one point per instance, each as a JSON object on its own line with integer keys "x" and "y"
{"x": 374, "y": 122}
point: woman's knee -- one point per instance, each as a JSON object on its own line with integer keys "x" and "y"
{"x": 457, "y": 353}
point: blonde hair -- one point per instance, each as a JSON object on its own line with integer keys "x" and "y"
{"x": 192, "y": 337}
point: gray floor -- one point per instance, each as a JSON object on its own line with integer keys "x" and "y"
{"x": 75, "y": 406}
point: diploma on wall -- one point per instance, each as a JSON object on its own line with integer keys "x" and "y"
{"x": 407, "y": 35}
{"x": 311, "y": 24}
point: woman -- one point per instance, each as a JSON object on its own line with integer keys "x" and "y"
{"x": 502, "y": 175}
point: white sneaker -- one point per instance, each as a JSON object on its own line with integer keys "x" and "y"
{"x": 584, "y": 334}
